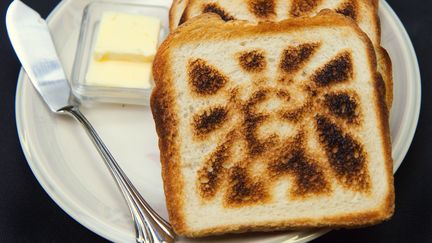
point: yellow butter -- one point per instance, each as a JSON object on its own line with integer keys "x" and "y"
{"x": 119, "y": 74}
{"x": 127, "y": 37}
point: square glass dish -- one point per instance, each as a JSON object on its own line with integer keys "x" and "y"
{"x": 92, "y": 16}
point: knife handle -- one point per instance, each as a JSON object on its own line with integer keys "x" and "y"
{"x": 149, "y": 226}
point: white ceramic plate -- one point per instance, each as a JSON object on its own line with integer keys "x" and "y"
{"x": 70, "y": 170}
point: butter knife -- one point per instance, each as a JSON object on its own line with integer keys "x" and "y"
{"x": 31, "y": 39}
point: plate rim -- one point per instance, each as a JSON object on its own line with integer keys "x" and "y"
{"x": 110, "y": 233}
{"x": 417, "y": 102}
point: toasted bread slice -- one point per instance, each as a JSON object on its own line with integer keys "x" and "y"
{"x": 273, "y": 126}
{"x": 364, "y": 12}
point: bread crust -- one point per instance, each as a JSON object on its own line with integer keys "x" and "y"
{"x": 175, "y": 12}
{"x": 383, "y": 58}
{"x": 164, "y": 107}
{"x": 374, "y": 4}
{"x": 386, "y": 70}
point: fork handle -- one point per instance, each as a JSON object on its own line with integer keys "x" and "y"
{"x": 149, "y": 226}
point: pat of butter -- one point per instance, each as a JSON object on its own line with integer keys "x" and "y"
{"x": 127, "y": 37}
{"x": 124, "y": 51}
{"x": 119, "y": 74}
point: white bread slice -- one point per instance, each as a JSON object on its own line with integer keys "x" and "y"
{"x": 364, "y": 12}
{"x": 273, "y": 126}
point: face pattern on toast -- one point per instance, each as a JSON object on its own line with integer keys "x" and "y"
{"x": 333, "y": 114}
{"x": 271, "y": 126}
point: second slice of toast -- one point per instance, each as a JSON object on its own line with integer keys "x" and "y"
{"x": 271, "y": 126}
{"x": 363, "y": 12}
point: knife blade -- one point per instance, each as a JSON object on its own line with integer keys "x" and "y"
{"x": 32, "y": 42}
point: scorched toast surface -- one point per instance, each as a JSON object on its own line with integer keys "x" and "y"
{"x": 271, "y": 126}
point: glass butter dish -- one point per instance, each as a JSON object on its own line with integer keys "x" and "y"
{"x": 94, "y": 79}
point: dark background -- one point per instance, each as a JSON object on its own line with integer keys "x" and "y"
{"x": 27, "y": 214}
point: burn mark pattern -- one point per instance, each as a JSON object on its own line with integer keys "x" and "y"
{"x": 309, "y": 177}
{"x": 346, "y": 156}
{"x": 228, "y": 175}
{"x": 205, "y": 79}
{"x": 342, "y": 105}
{"x": 303, "y": 7}
{"x": 209, "y": 120}
{"x": 211, "y": 175}
{"x": 349, "y": 9}
{"x": 266, "y": 9}
{"x": 294, "y": 115}
{"x": 338, "y": 70}
{"x": 252, "y": 61}
{"x": 252, "y": 120}
{"x": 215, "y": 8}
{"x": 262, "y": 8}
{"x": 243, "y": 189}
{"x": 294, "y": 58}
